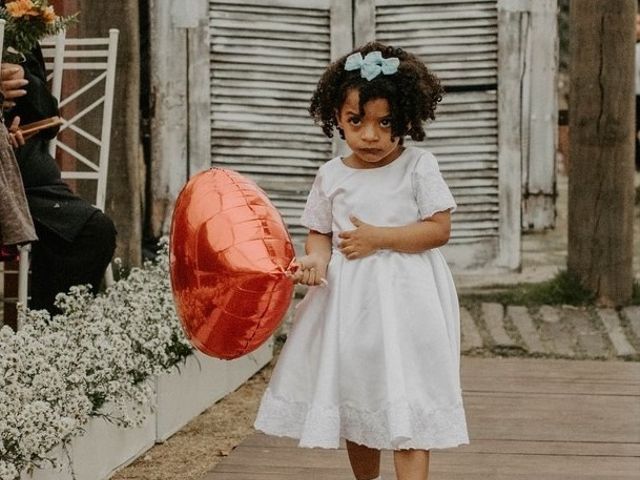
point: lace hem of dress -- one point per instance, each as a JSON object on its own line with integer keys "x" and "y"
{"x": 399, "y": 426}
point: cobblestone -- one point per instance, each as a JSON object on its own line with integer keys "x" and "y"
{"x": 552, "y": 331}
{"x": 471, "y": 338}
{"x": 611, "y": 321}
{"x": 493, "y": 315}
{"x": 526, "y": 327}
{"x": 633, "y": 316}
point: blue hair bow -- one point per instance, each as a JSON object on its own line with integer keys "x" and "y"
{"x": 372, "y": 65}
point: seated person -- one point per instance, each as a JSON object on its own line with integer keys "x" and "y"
{"x": 76, "y": 240}
{"x": 16, "y": 225}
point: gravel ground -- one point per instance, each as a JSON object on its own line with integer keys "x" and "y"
{"x": 207, "y": 439}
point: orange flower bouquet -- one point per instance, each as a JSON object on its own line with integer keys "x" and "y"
{"x": 28, "y": 21}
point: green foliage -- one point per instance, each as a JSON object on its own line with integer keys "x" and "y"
{"x": 28, "y": 22}
{"x": 563, "y": 289}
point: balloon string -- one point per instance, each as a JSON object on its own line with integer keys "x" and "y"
{"x": 291, "y": 268}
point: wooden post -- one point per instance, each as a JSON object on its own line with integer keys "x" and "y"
{"x": 126, "y": 184}
{"x": 180, "y": 118}
{"x": 601, "y": 117}
{"x": 511, "y": 110}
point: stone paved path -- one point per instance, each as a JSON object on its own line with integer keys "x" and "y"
{"x": 551, "y": 331}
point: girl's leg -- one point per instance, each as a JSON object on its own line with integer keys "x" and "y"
{"x": 365, "y": 461}
{"x": 411, "y": 464}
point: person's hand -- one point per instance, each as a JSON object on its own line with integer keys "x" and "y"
{"x": 360, "y": 242}
{"x": 311, "y": 270}
{"x": 15, "y": 134}
{"x": 12, "y": 83}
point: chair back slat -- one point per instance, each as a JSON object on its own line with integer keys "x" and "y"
{"x": 95, "y": 56}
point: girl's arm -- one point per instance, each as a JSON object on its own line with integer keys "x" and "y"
{"x": 413, "y": 238}
{"x": 312, "y": 268}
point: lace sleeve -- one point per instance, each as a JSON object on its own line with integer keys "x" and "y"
{"x": 317, "y": 212}
{"x": 431, "y": 192}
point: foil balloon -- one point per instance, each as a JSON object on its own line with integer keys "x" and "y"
{"x": 229, "y": 251}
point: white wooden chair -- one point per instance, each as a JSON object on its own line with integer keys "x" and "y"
{"x": 65, "y": 54}
{"x": 98, "y": 57}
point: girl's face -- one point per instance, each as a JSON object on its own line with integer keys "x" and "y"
{"x": 368, "y": 136}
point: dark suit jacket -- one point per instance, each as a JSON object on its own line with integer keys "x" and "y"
{"x": 51, "y": 202}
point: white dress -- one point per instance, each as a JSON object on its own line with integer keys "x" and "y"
{"x": 373, "y": 357}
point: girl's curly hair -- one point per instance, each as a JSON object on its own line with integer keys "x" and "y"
{"x": 412, "y": 92}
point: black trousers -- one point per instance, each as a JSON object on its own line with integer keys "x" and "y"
{"x": 57, "y": 264}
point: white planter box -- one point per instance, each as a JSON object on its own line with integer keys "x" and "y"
{"x": 102, "y": 450}
{"x": 181, "y": 394}
{"x": 186, "y": 391}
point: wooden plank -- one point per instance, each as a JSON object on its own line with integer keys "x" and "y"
{"x": 264, "y": 26}
{"x": 586, "y": 427}
{"x": 428, "y": 15}
{"x": 276, "y": 16}
{"x": 393, "y": 4}
{"x": 528, "y": 375}
{"x": 510, "y": 156}
{"x": 277, "y": 4}
{"x": 267, "y": 42}
{"x": 251, "y": 84}
{"x": 170, "y": 120}
{"x": 258, "y": 48}
{"x": 198, "y": 83}
{"x": 265, "y": 461}
{"x": 422, "y": 33}
{"x": 441, "y": 25}
{"x": 482, "y": 445}
{"x": 539, "y": 161}
{"x": 441, "y": 6}
{"x": 297, "y": 8}
{"x": 559, "y": 417}
{"x": 450, "y": 40}
{"x": 271, "y": 59}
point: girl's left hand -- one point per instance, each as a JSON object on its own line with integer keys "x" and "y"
{"x": 360, "y": 242}
{"x": 15, "y": 134}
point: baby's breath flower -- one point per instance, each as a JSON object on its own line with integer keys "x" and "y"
{"x": 93, "y": 359}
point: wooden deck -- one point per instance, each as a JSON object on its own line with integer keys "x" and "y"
{"x": 528, "y": 419}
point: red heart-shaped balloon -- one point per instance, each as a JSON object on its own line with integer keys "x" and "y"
{"x": 229, "y": 251}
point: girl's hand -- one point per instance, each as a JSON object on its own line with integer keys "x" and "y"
{"x": 312, "y": 270}
{"x": 360, "y": 242}
{"x": 15, "y": 134}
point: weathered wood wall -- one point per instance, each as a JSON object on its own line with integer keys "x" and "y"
{"x": 126, "y": 180}
{"x": 240, "y": 74}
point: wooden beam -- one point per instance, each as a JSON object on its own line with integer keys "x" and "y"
{"x": 601, "y": 123}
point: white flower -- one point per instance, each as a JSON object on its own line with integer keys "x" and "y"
{"x": 92, "y": 359}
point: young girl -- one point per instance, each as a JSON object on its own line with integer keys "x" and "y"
{"x": 373, "y": 353}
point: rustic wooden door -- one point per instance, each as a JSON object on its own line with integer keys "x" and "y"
{"x": 252, "y": 65}
{"x": 265, "y": 60}
{"x": 458, "y": 40}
